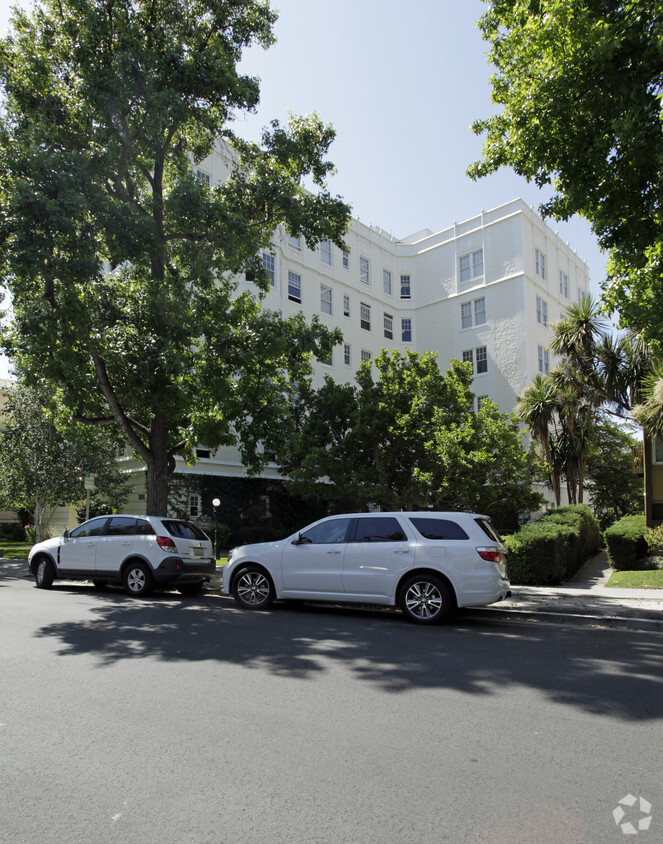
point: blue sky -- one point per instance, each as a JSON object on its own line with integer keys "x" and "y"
{"x": 401, "y": 83}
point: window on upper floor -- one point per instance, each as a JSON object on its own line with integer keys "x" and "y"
{"x": 346, "y": 305}
{"x": 328, "y": 361}
{"x": 204, "y": 177}
{"x": 346, "y": 259}
{"x": 544, "y": 361}
{"x": 326, "y": 252}
{"x": 481, "y": 400}
{"x": 389, "y": 326}
{"x": 471, "y": 265}
{"x": 325, "y": 299}
{"x": 295, "y": 242}
{"x": 364, "y": 270}
{"x": 406, "y": 287}
{"x": 473, "y": 313}
{"x": 347, "y": 354}
{"x": 269, "y": 263}
{"x": 365, "y": 355}
{"x": 468, "y": 357}
{"x": 657, "y": 450}
{"x": 563, "y": 285}
{"x": 365, "y": 316}
{"x": 540, "y": 263}
{"x": 386, "y": 282}
{"x": 482, "y": 359}
{"x": 541, "y": 311}
{"x": 294, "y": 287}
{"x": 406, "y": 329}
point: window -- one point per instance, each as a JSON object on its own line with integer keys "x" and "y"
{"x": 379, "y": 529}
{"x": 330, "y": 532}
{"x": 269, "y": 263}
{"x": 194, "y": 506}
{"x": 295, "y": 242}
{"x": 468, "y": 357}
{"x": 386, "y": 282}
{"x": 92, "y": 528}
{"x": 540, "y": 261}
{"x": 657, "y": 446}
{"x": 365, "y": 316}
{"x": 347, "y": 354}
{"x": 204, "y": 177}
{"x": 325, "y": 299}
{"x": 326, "y": 252}
{"x": 328, "y": 361}
{"x": 406, "y": 289}
{"x": 121, "y": 526}
{"x": 482, "y": 359}
{"x": 365, "y": 355}
{"x": 364, "y": 270}
{"x": 544, "y": 363}
{"x": 346, "y": 305}
{"x": 294, "y": 286}
{"x": 406, "y": 330}
{"x": 438, "y": 528}
{"x": 541, "y": 311}
{"x": 480, "y": 401}
{"x": 389, "y": 326}
{"x": 471, "y": 265}
{"x": 473, "y": 313}
{"x": 563, "y": 285}
{"x": 346, "y": 259}
{"x": 203, "y": 453}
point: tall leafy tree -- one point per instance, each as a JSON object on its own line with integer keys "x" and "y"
{"x": 123, "y": 268}
{"x": 577, "y": 86}
{"x": 44, "y": 459}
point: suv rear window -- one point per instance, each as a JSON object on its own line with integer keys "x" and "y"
{"x": 379, "y": 529}
{"x": 488, "y": 529}
{"x": 431, "y": 528}
{"x": 183, "y": 530}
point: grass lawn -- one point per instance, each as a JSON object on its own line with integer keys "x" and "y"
{"x": 648, "y": 579}
{"x": 15, "y": 550}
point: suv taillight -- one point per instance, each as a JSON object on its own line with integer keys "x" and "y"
{"x": 493, "y": 555}
{"x": 166, "y": 544}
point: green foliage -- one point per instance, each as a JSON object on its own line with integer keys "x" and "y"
{"x": 625, "y": 542}
{"x": 577, "y": 91}
{"x": 410, "y": 439}
{"x": 123, "y": 268}
{"x": 552, "y": 549}
{"x": 45, "y": 458}
{"x": 615, "y": 490}
{"x": 654, "y": 540}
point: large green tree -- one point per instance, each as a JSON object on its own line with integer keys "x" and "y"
{"x": 578, "y": 86}
{"x": 408, "y": 437}
{"x": 122, "y": 266}
{"x": 44, "y": 458}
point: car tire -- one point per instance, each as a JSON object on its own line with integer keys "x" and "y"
{"x": 137, "y": 580}
{"x": 253, "y": 589}
{"x": 425, "y": 599}
{"x": 191, "y": 588}
{"x": 44, "y": 573}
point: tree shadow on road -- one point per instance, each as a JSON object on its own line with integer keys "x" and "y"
{"x": 609, "y": 672}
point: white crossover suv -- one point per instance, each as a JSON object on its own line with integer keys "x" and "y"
{"x": 428, "y": 563}
{"x": 137, "y": 551}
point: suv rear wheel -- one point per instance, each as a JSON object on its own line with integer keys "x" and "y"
{"x": 137, "y": 580}
{"x": 425, "y": 599}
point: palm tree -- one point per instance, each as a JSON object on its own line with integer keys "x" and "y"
{"x": 537, "y": 408}
{"x": 649, "y": 413}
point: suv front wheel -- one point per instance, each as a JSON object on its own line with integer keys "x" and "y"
{"x": 425, "y": 599}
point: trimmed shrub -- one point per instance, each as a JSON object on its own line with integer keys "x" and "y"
{"x": 626, "y": 543}
{"x": 654, "y": 540}
{"x": 586, "y": 538}
{"x": 538, "y": 553}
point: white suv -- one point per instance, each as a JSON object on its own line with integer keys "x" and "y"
{"x": 428, "y": 563}
{"x": 136, "y": 551}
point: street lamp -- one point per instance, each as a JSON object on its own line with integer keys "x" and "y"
{"x": 215, "y": 504}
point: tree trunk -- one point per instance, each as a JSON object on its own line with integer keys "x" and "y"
{"x": 157, "y": 467}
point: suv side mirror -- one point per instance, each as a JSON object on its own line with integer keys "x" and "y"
{"x": 65, "y": 534}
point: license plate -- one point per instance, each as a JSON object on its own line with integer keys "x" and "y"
{"x": 196, "y": 552}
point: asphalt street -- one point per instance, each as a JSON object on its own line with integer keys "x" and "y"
{"x": 189, "y": 720}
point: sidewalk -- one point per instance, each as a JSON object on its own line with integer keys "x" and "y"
{"x": 584, "y": 600}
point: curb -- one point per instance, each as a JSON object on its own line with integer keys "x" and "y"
{"x": 577, "y": 619}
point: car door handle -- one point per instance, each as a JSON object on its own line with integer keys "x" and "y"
{"x": 402, "y": 551}
{"x": 333, "y": 552}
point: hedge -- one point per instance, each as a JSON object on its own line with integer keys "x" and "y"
{"x": 552, "y": 549}
{"x": 626, "y": 543}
